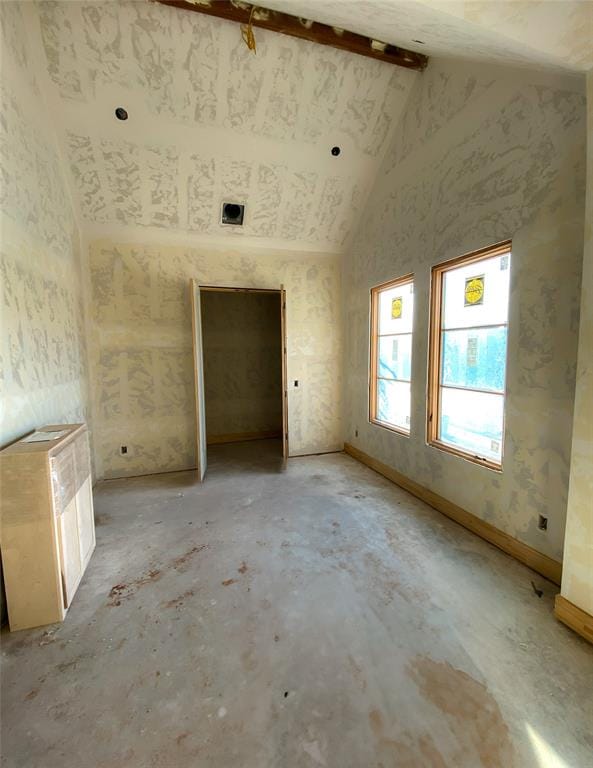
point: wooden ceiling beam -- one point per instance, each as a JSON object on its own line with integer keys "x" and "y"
{"x": 315, "y": 32}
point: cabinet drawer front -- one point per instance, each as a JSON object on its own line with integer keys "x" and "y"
{"x": 63, "y": 478}
{"x": 82, "y": 459}
{"x": 70, "y": 469}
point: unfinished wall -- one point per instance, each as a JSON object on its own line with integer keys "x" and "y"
{"x": 242, "y": 362}
{"x": 483, "y": 153}
{"x": 44, "y": 372}
{"x": 141, "y": 349}
{"x": 577, "y": 575}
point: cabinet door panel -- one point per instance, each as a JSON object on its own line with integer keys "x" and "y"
{"x": 71, "y": 565}
{"x": 86, "y": 520}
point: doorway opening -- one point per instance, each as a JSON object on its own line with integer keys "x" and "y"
{"x": 240, "y": 372}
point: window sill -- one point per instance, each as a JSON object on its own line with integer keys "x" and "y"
{"x": 390, "y": 427}
{"x": 487, "y": 463}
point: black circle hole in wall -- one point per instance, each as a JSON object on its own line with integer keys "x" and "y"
{"x": 336, "y": 151}
{"x": 121, "y": 113}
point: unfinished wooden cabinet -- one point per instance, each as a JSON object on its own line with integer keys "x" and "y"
{"x": 47, "y": 524}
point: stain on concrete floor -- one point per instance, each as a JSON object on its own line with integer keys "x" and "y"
{"x": 351, "y": 633}
{"x": 465, "y": 702}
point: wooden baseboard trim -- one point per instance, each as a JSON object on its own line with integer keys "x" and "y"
{"x": 574, "y": 617}
{"x": 537, "y": 561}
{"x": 240, "y": 437}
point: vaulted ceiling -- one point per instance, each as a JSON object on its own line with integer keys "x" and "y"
{"x": 210, "y": 121}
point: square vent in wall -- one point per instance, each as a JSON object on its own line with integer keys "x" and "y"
{"x": 232, "y": 213}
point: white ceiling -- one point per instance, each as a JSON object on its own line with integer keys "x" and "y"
{"x": 545, "y": 33}
{"x": 210, "y": 121}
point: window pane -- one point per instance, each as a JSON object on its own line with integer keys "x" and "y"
{"x": 393, "y": 403}
{"x": 396, "y": 309}
{"x": 475, "y": 358}
{"x": 472, "y": 421}
{"x": 395, "y": 357}
{"x": 477, "y": 294}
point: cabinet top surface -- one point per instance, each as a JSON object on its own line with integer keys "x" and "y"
{"x": 50, "y": 447}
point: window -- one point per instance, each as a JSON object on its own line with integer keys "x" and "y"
{"x": 392, "y": 318}
{"x": 468, "y": 350}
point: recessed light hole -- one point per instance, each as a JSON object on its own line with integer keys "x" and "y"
{"x": 121, "y": 113}
{"x": 336, "y": 151}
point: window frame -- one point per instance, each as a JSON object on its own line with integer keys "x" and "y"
{"x": 376, "y": 290}
{"x": 435, "y": 355}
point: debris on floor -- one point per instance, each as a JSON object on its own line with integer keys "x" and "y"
{"x": 538, "y": 592}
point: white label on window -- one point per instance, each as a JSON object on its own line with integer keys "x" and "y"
{"x": 504, "y": 262}
{"x": 494, "y": 446}
{"x": 472, "y": 351}
{"x": 394, "y": 350}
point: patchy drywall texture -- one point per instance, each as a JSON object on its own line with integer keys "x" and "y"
{"x": 141, "y": 185}
{"x": 217, "y": 123}
{"x": 141, "y": 348}
{"x": 577, "y": 575}
{"x": 241, "y": 335}
{"x": 44, "y": 372}
{"x": 480, "y": 157}
{"x": 553, "y": 34}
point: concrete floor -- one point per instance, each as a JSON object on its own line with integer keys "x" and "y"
{"x": 313, "y": 615}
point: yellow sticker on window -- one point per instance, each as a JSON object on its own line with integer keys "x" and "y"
{"x": 396, "y": 307}
{"x": 474, "y": 291}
